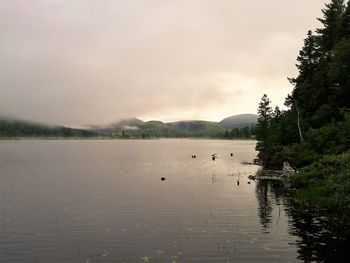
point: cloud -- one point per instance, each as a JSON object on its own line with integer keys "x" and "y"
{"x": 92, "y": 62}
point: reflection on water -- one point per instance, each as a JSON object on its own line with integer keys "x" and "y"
{"x": 320, "y": 236}
{"x": 103, "y": 201}
{"x": 270, "y": 195}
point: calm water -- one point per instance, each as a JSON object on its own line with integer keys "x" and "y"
{"x": 103, "y": 201}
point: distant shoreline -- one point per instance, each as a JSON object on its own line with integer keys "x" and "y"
{"x": 111, "y": 139}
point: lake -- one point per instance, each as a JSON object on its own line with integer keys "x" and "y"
{"x": 103, "y": 201}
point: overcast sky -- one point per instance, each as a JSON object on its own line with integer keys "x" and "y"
{"x": 79, "y": 62}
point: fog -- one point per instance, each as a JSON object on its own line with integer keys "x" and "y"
{"x": 94, "y": 62}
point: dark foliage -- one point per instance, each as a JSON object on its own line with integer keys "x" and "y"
{"x": 314, "y": 133}
{"x": 317, "y": 121}
{"x": 15, "y": 129}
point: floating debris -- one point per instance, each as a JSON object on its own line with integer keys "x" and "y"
{"x": 269, "y": 175}
{"x": 251, "y": 177}
{"x": 104, "y": 254}
{"x": 254, "y": 162}
{"x": 287, "y": 170}
{"x": 146, "y": 259}
{"x": 162, "y": 178}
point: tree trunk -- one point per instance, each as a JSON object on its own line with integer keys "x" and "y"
{"x": 299, "y": 128}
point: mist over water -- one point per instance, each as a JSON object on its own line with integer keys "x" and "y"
{"x": 103, "y": 201}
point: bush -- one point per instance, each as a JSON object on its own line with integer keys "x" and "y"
{"x": 326, "y": 183}
{"x": 300, "y": 155}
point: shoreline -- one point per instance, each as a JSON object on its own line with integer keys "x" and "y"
{"x": 109, "y": 138}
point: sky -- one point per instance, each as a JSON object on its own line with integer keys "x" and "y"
{"x": 82, "y": 62}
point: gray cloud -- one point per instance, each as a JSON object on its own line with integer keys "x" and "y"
{"x": 83, "y": 62}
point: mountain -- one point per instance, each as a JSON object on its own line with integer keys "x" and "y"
{"x": 200, "y": 128}
{"x": 130, "y": 122}
{"x": 136, "y": 128}
{"x": 239, "y": 121}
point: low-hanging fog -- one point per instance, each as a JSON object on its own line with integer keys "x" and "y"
{"x": 93, "y": 62}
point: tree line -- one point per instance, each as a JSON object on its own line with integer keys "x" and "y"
{"x": 317, "y": 121}
{"x": 313, "y": 134}
{"x": 247, "y": 132}
{"x": 16, "y": 128}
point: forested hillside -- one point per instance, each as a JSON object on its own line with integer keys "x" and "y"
{"x": 10, "y": 128}
{"x": 133, "y": 129}
{"x": 239, "y": 127}
{"x": 314, "y": 133}
{"x": 317, "y": 121}
{"x": 239, "y": 121}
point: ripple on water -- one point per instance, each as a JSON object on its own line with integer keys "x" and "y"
{"x": 103, "y": 201}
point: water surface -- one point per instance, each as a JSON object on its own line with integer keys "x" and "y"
{"x": 103, "y": 201}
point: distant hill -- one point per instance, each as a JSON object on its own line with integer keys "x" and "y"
{"x": 12, "y": 128}
{"x": 130, "y": 122}
{"x": 200, "y": 128}
{"x": 136, "y": 128}
{"x": 239, "y": 121}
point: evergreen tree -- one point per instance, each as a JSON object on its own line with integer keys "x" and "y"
{"x": 317, "y": 121}
{"x": 307, "y": 60}
{"x": 304, "y": 88}
{"x": 345, "y": 23}
{"x": 331, "y": 21}
{"x": 227, "y": 134}
{"x": 339, "y": 75}
{"x": 265, "y": 115}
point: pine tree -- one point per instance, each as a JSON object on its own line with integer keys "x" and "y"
{"x": 277, "y": 112}
{"x": 329, "y": 34}
{"x": 339, "y": 75}
{"x": 344, "y": 30}
{"x": 265, "y": 115}
{"x": 304, "y": 88}
{"x": 316, "y": 120}
{"x": 307, "y": 59}
{"x": 264, "y": 110}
